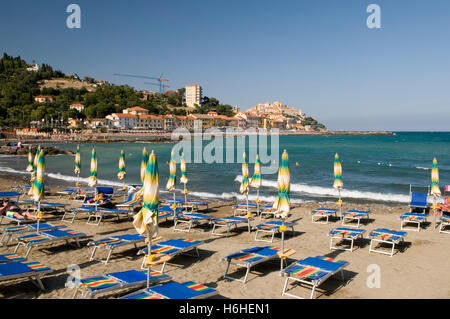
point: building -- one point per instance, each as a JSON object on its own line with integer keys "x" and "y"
{"x": 77, "y": 106}
{"x": 43, "y": 99}
{"x": 33, "y": 68}
{"x": 193, "y": 95}
{"x": 122, "y": 121}
{"x": 136, "y": 110}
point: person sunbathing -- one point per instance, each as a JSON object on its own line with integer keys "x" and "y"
{"x": 99, "y": 198}
{"x": 10, "y": 209}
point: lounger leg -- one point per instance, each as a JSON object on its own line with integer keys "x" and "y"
{"x": 226, "y": 269}
{"x": 28, "y": 251}
{"x": 246, "y": 274}
{"x": 109, "y": 255}
{"x": 93, "y": 253}
{"x": 285, "y": 286}
{"x": 392, "y": 251}
{"x": 38, "y": 280}
{"x": 312, "y": 291}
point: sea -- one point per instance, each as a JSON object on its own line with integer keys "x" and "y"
{"x": 376, "y": 168}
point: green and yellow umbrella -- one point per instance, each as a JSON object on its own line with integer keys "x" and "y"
{"x": 37, "y": 188}
{"x": 256, "y": 181}
{"x": 171, "y": 183}
{"x": 122, "y": 173}
{"x": 144, "y": 162}
{"x": 183, "y": 178}
{"x": 244, "y": 189}
{"x": 146, "y": 220}
{"x": 282, "y": 201}
{"x": 77, "y": 169}
{"x": 30, "y": 160}
{"x": 93, "y": 178}
{"x": 34, "y": 172}
{"x": 338, "y": 184}
{"x": 435, "y": 190}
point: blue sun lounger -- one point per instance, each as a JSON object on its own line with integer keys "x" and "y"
{"x": 320, "y": 213}
{"x": 272, "y": 227}
{"x": 164, "y": 212}
{"x": 108, "y": 191}
{"x": 354, "y": 215}
{"x": 444, "y": 222}
{"x": 228, "y": 222}
{"x": 413, "y": 218}
{"x": 116, "y": 281}
{"x": 16, "y": 270}
{"x": 100, "y": 213}
{"x": 8, "y": 232}
{"x": 345, "y": 234}
{"x": 10, "y": 195}
{"x": 131, "y": 202}
{"x": 387, "y": 236}
{"x": 171, "y": 248}
{"x": 189, "y": 206}
{"x": 418, "y": 200}
{"x": 47, "y": 237}
{"x": 248, "y": 258}
{"x": 312, "y": 271}
{"x": 10, "y": 258}
{"x": 112, "y": 242}
{"x": 191, "y": 219}
{"x": 174, "y": 290}
{"x": 32, "y": 205}
{"x": 76, "y": 193}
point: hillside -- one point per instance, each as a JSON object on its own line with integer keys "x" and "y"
{"x": 63, "y": 83}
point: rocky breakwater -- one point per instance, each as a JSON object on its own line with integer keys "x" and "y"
{"x": 14, "y": 150}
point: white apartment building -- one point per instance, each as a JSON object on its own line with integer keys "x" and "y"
{"x": 193, "y": 94}
{"x": 121, "y": 121}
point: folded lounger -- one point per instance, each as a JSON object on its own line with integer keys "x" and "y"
{"x": 416, "y": 218}
{"x": 312, "y": 271}
{"x": 112, "y": 242}
{"x": 191, "y": 219}
{"x": 15, "y": 270}
{"x": 248, "y": 258}
{"x": 343, "y": 234}
{"x": 228, "y": 222}
{"x": 171, "y": 248}
{"x": 46, "y": 237}
{"x": 272, "y": 227}
{"x": 8, "y": 232}
{"x": 174, "y": 290}
{"x": 320, "y": 213}
{"x": 354, "y": 215}
{"x": 445, "y": 221}
{"x": 388, "y": 236}
{"x": 113, "y": 282}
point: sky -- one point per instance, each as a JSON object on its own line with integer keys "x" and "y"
{"x": 316, "y": 55}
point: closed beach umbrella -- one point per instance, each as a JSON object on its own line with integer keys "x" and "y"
{"x": 33, "y": 173}
{"x": 93, "y": 178}
{"x": 37, "y": 188}
{"x": 244, "y": 184}
{"x": 183, "y": 178}
{"x": 255, "y": 181}
{"x": 171, "y": 183}
{"x": 30, "y": 159}
{"x": 282, "y": 201}
{"x": 338, "y": 184}
{"x": 435, "y": 190}
{"x": 77, "y": 169}
{"x": 144, "y": 162}
{"x": 146, "y": 220}
{"x": 122, "y": 172}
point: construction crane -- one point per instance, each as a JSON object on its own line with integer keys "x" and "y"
{"x": 160, "y": 79}
{"x": 156, "y": 84}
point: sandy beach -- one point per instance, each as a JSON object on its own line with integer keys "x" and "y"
{"x": 419, "y": 269}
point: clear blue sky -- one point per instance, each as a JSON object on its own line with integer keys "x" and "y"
{"x": 317, "y": 55}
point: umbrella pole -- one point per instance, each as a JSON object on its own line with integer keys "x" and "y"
{"x": 257, "y": 202}
{"x": 149, "y": 249}
{"x": 340, "y": 203}
{"x": 38, "y": 217}
{"x": 282, "y": 242}
{"x": 185, "y": 195}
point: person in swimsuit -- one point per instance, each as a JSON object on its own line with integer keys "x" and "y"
{"x": 8, "y": 208}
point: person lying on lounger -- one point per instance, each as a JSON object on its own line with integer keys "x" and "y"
{"x": 10, "y": 209}
{"x": 100, "y": 198}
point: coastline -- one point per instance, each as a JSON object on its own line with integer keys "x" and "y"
{"x": 409, "y": 267}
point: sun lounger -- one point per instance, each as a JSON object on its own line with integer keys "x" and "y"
{"x": 248, "y": 258}
{"x": 76, "y": 193}
{"x": 107, "y": 191}
{"x": 241, "y": 208}
{"x": 100, "y": 213}
{"x": 320, "y": 213}
{"x": 32, "y": 205}
{"x": 10, "y": 195}
{"x": 354, "y": 215}
{"x": 189, "y": 206}
{"x": 18, "y": 221}
{"x": 131, "y": 202}
{"x": 23, "y": 189}
{"x": 9, "y": 258}
{"x": 174, "y": 290}
{"x": 267, "y": 211}
{"x": 387, "y": 236}
{"x": 228, "y": 222}
{"x": 8, "y": 232}
{"x": 418, "y": 199}
{"x": 191, "y": 219}
{"x": 116, "y": 281}
{"x": 172, "y": 247}
{"x": 272, "y": 227}
{"x": 164, "y": 212}
{"x": 415, "y": 218}
{"x": 16, "y": 270}
{"x": 445, "y": 221}
{"x": 112, "y": 242}
{"x": 47, "y": 237}
{"x": 312, "y": 271}
{"x": 345, "y": 234}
